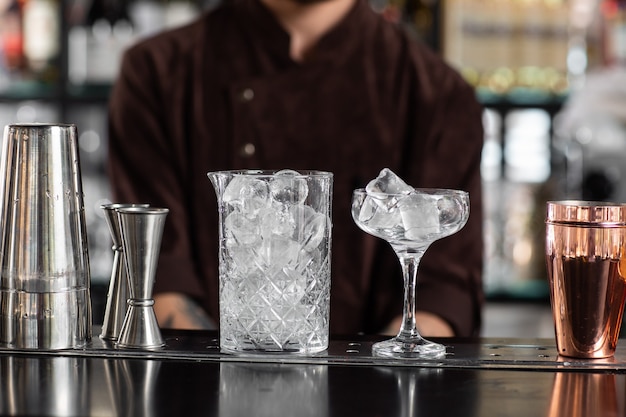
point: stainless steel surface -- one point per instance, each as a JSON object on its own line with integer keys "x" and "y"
{"x": 116, "y": 305}
{"x": 65, "y": 392}
{"x": 44, "y": 262}
{"x": 141, "y": 230}
{"x": 132, "y": 385}
{"x": 585, "y": 244}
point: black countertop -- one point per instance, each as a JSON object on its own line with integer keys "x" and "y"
{"x": 482, "y": 377}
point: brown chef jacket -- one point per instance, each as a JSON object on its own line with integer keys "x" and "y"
{"x": 223, "y": 93}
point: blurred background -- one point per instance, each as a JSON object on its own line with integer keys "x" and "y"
{"x": 550, "y": 74}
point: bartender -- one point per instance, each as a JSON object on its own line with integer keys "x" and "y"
{"x": 299, "y": 84}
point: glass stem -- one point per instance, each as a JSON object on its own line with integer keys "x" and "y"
{"x": 410, "y": 263}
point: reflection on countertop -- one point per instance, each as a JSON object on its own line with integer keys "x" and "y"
{"x": 506, "y": 381}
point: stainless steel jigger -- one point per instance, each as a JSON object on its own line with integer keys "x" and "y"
{"x": 116, "y": 305}
{"x": 142, "y": 229}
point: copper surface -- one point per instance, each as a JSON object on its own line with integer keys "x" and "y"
{"x": 586, "y": 213}
{"x": 585, "y": 244}
{"x": 583, "y": 395}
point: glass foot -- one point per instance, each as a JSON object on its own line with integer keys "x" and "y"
{"x": 414, "y": 348}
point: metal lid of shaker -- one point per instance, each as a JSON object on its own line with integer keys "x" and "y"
{"x": 589, "y": 213}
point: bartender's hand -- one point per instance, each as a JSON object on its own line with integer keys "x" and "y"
{"x": 178, "y": 311}
{"x": 428, "y": 324}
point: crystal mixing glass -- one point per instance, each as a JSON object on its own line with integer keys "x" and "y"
{"x": 274, "y": 265}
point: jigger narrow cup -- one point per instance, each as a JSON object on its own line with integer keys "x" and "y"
{"x": 116, "y": 307}
{"x": 142, "y": 230}
{"x": 586, "y": 263}
{"x": 44, "y": 262}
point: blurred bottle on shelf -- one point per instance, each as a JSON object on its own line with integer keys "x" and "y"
{"x": 152, "y": 16}
{"x": 514, "y": 48}
{"x": 11, "y": 40}
{"x": 96, "y": 46}
{"x": 419, "y": 17}
{"x": 41, "y": 31}
{"x": 111, "y": 26}
{"x": 29, "y": 43}
{"x": 179, "y": 12}
{"x": 516, "y": 172}
{"x": 614, "y": 32}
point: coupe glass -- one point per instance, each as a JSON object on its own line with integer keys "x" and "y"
{"x": 410, "y": 222}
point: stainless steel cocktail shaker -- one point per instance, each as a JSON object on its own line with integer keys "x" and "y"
{"x": 44, "y": 261}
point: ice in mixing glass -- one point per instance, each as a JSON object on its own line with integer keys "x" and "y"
{"x": 275, "y": 234}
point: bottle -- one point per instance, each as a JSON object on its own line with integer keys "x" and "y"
{"x": 112, "y": 11}
{"x": 95, "y": 48}
{"x": 41, "y": 31}
{"x": 179, "y": 12}
{"x": 11, "y": 41}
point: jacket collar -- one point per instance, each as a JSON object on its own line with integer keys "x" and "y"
{"x": 265, "y": 30}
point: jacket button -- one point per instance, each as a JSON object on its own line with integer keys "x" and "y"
{"x": 248, "y": 150}
{"x": 247, "y": 95}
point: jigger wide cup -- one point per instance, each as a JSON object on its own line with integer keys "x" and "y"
{"x": 585, "y": 244}
{"x": 141, "y": 231}
{"x": 44, "y": 262}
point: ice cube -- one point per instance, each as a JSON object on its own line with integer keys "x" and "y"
{"x": 239, "y": 260}
{"x": 451, "y": 211}
{"x": 288, "y": 187}
{"x": 311, "y": 226}
{"x": 247, "y": 194}
{"x": 388, "y": 182}
{"x": 309, "y": 262}
{"x": 241, "y": 230}
{"x": 379, "y": 212}
{"x": 276, "y": 220}
{"x": 420, "y": 216}
{"x": 384, "y": 189}
{"x": 277, "y": 252}
{"x": 292, "y": 286}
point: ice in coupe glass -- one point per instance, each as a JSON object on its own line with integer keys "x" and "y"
{"x": 410, "y": 219}
{"x": 274, "y": 260}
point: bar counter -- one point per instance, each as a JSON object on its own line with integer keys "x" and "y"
{"x": 190, "y": 377}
